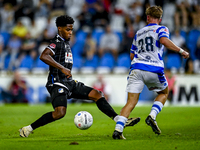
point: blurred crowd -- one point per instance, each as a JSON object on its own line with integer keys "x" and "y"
{"x": 103, "y": 31}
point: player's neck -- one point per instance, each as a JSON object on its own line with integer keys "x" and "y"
{"x": 151, "y": 20}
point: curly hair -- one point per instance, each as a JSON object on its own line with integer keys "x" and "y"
{"x": 63, "y": 20}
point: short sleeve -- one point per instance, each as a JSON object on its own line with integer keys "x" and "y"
{"x": 133, "y": 46}
{"x": 163, "y": 32}
{"x": 52, "y": 47}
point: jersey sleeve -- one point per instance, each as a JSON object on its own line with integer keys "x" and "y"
{"x": 52, "y": 47}
{"x": 133, "y": 46}
{"x": 163, "y": 32}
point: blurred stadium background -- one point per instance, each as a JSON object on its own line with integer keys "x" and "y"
{"x": 26, "y": 26}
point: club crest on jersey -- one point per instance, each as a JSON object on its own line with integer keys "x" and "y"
{"x": 61, "y": 90}
{"x": 52, "y": 45}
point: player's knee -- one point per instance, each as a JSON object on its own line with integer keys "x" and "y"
{"x": 59, "y": 113}
{"x": 95, "y": 95}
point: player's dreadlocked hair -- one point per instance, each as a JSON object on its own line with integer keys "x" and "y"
{"x": 63, "y": 20}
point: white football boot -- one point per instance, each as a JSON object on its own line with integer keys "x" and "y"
{"x": 25, "y": 131}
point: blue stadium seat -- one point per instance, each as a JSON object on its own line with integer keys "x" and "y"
{"x": 184, "y": 34}
{"x": 120, "y": 35}
{"x": 29, "y": 95}
{"x": 107, "y": 60}
{"x": 6, "y": 37}
{"x": 42, "y": 94}
{"x": 77, "y": 49}
{"x": 92, "y": 63}
{"x": 40, "y": 64}
{"x": 81, "y": 36}
{"x": 96, "y": 34}
{"x": 27, "y": 62}
{"x": 6, "y": 62}
{"x": 124, "y": 60}
{"x": 77, "y": 62}
{"x": 173, "y": 60}
{"x": 192, "y": 42}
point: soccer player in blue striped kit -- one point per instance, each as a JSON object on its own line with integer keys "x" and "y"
{"x": 147, "y": 68}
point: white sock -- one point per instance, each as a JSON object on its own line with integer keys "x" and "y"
{"x": 120, "y": 123}
{"x": 156, "y": 108}
{"x": 116, "y": 118}
{"x": 30, "y": 128}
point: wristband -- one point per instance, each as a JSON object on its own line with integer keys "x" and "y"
{"x": 181, "y": 51}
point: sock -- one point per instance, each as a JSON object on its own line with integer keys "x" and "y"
{"x": 156, "y": 108}
{"x": 105, "y": 107}
{"x": 30, "y": 128}
{"x": 45, "y": 119}
{"x": 116, "y": 118}
{"x": 120, "y": 123}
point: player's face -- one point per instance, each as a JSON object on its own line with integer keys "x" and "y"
{"x": 66, "y": 32}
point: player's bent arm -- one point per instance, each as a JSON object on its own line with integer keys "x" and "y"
{"x": 132, "y": 56}
{"x": 46, "y": 57}
{"x": 170, "y": 45}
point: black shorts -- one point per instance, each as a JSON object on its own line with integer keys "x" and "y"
{"x": 74, "y": 90}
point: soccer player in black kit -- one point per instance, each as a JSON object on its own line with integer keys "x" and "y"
{"x": 60, "y": 84}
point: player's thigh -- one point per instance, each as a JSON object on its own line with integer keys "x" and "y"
{"x": 81, "y": 91}
{"x": 135, "y": 83}
{"x": 154, "y": 81}
{"x": 58, "y": 96}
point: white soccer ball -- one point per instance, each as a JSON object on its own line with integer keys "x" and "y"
{"x": 83, "y": 120}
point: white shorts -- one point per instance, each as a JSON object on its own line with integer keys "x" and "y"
{"x": 138, "y": 78}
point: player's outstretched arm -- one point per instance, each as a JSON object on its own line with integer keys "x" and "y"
{"x": 46, "y": 57}
{"x": 170, "y": 45}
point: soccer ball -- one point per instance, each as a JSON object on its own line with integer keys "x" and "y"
{"x": 83, "y": 120}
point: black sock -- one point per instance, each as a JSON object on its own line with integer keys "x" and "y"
{"x": 45, "y": 119}
{"x": 105, "y": 107}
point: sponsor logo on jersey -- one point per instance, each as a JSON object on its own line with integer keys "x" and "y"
{"x": 52, "y": 45}
{"x": 166, "y": 31}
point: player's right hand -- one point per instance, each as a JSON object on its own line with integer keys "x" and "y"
{"x": 67, "y": 72}
{"x": 185, "y": 55}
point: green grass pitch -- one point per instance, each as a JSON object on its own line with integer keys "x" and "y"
{"x": 180, "y": 128}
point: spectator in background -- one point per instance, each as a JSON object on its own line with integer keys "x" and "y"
{"x": 51, "y": 30}
{"x": 57, "y": 8}
{"x": 35, "y": 31}
{"x": 89, "y": 47}
{"x": 43, "y": 8}
{"x": 7, "y": 17}
{"x": 197, "y": 60}
{"x": 171, "y": 79}
{"x": 25, "y": 9}
{"x": 85, "y": 19}
{"x": 127, "y": 39}
{"x": 20, "y": 30}
{"x": 13, "y": 47}
{"x": 189, "y": 66}
{"x": 1, "y": 52}
{"x": 109, "y": 42}
{"x": 16, "y": 92}
{"x": 100, "y": 18}
{"x": 28, "y": 47}
{"x": 181, "y": 15}
{"x": 177, "y": 39}
{"x": 102, "y": 86}
{"x": 134, "y": 14}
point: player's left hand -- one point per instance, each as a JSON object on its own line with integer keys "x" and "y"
{"x": 185, "y": 55}
{"x": 67, "y": 72}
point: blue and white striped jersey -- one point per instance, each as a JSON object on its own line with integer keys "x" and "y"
{"x": 147, "y": 48}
